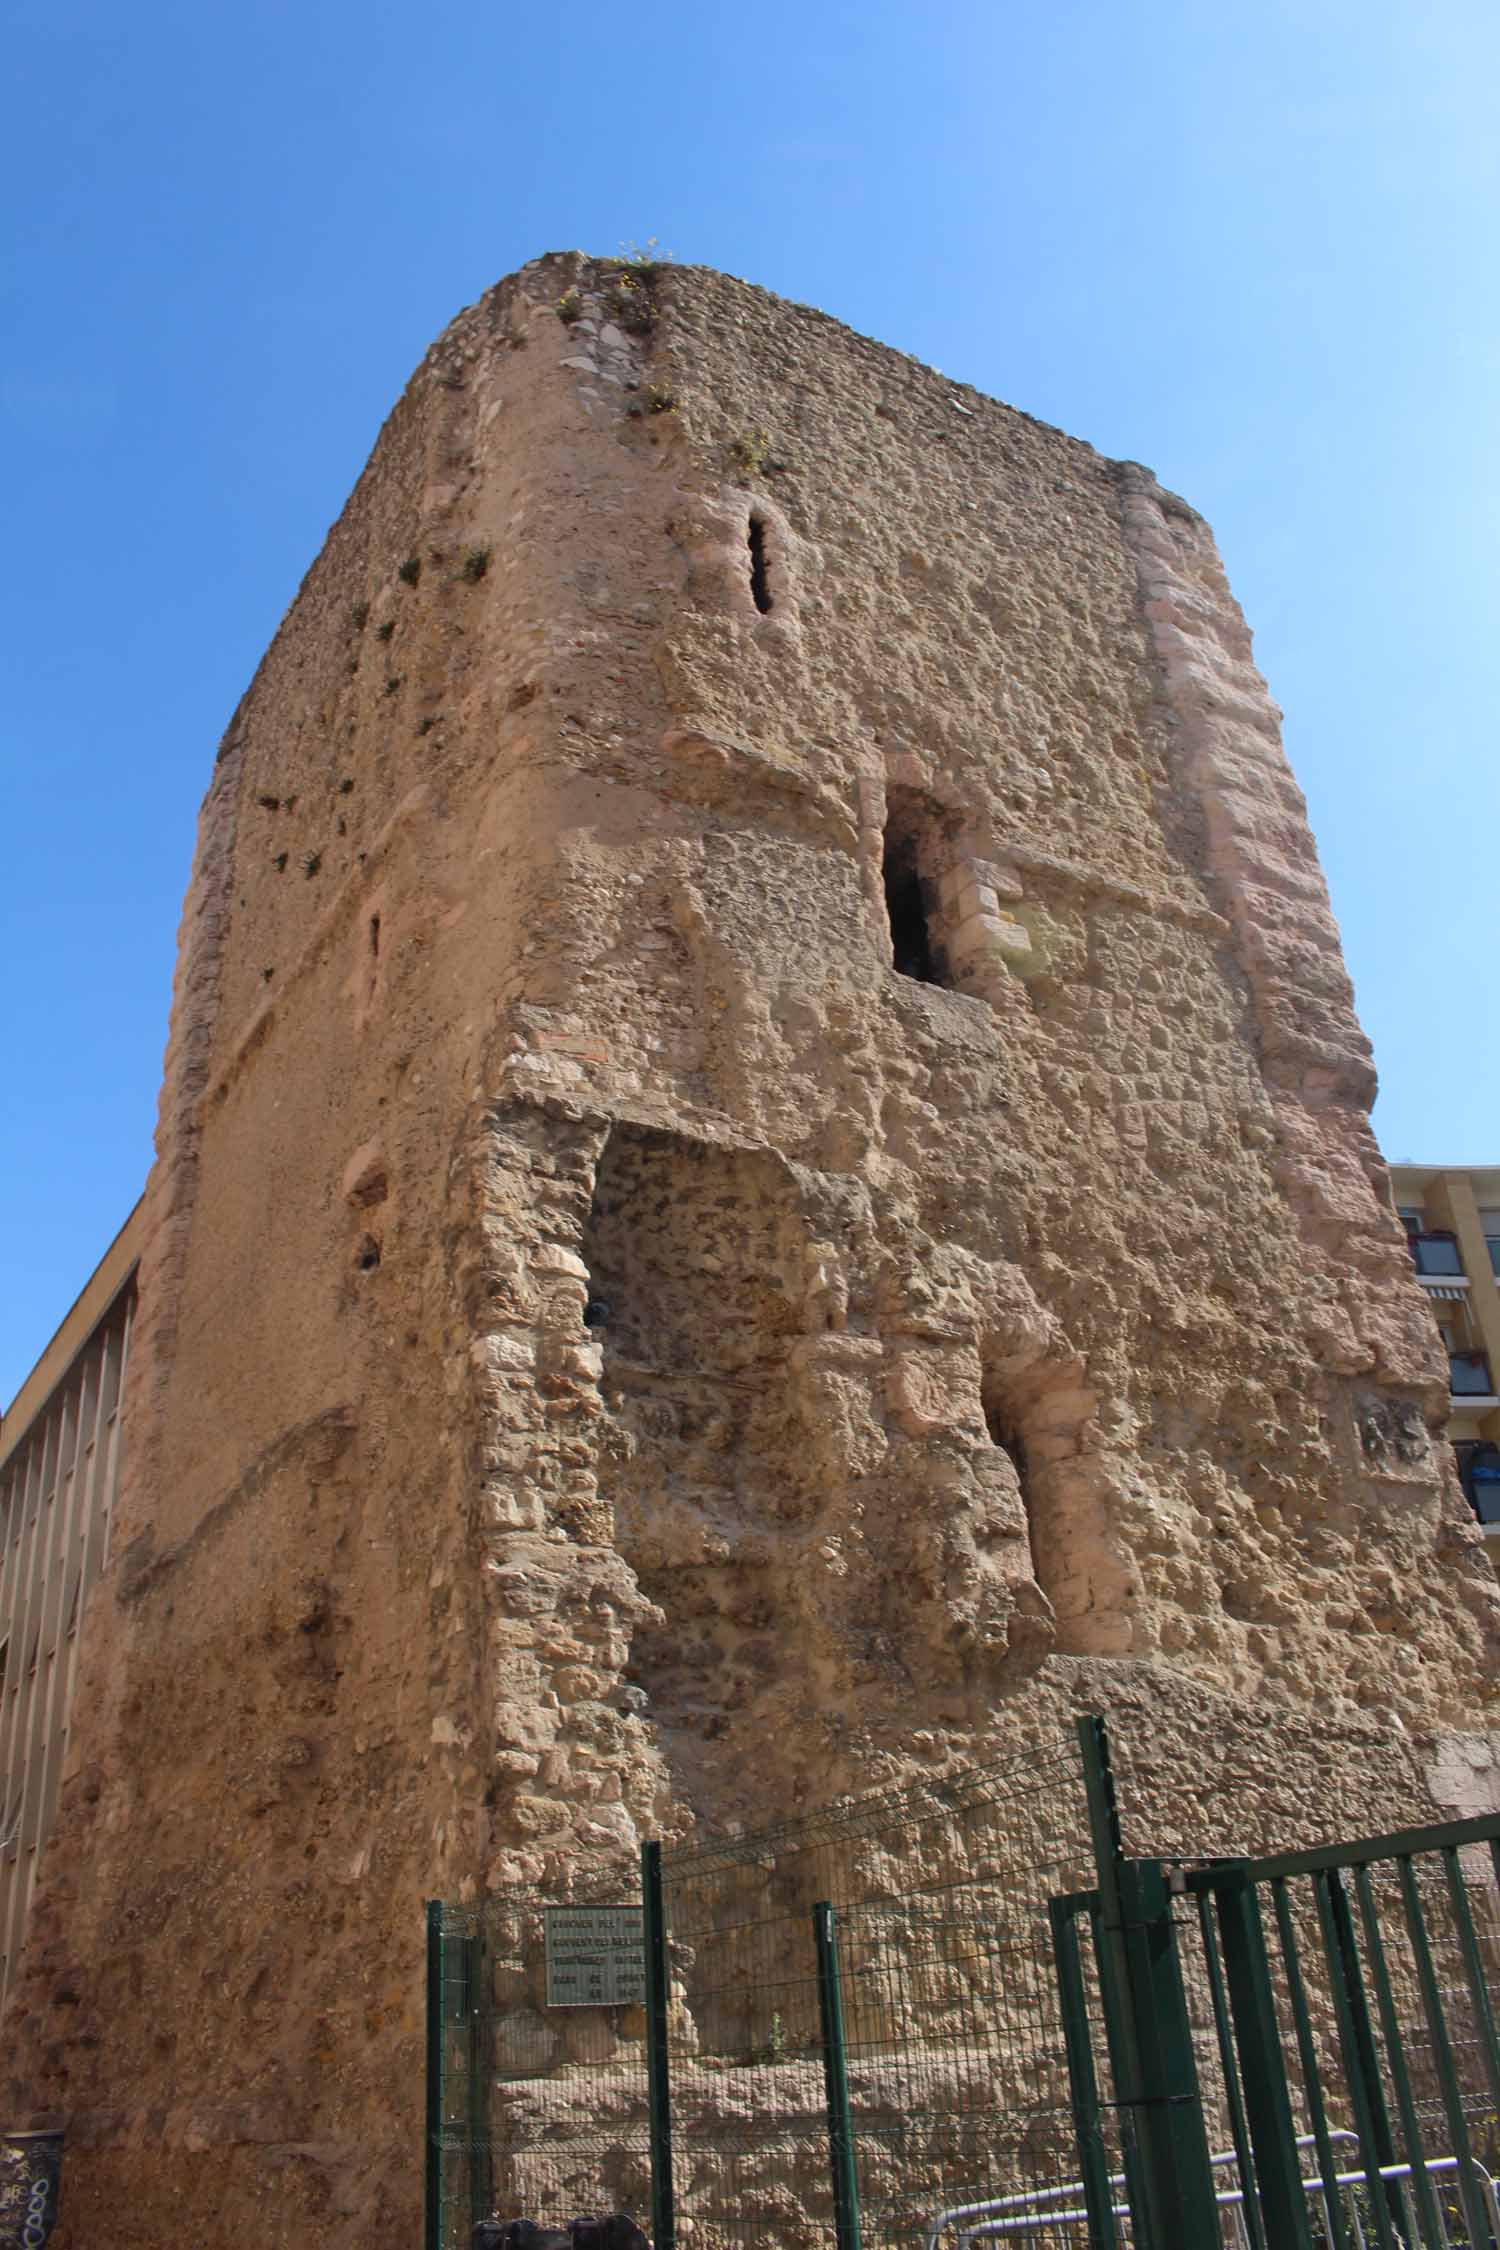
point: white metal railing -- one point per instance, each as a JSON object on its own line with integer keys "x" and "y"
{"x": 1001, "y": 2212}
{"x": 1035, "y": 2211}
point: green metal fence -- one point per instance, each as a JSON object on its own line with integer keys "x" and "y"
{"x": 1301, "y": 2050}
{"x": 863, "y": 2030}
{"x": 536, "y": 2058}
{"x": 959, "y": 2016}
{"x": 847, "y": 2026}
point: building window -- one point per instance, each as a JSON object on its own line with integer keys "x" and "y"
{"x": 1469, "y": 1375}
{"x": 1435, "y": 1251}
{"x": 915, "y": 951}
{"x": 1490, "y": 1221}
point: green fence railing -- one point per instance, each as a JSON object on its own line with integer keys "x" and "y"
{"x": 838, "y": 2027}
{"x": 1329, "y": 2016}
{"x": 864, "y": 2035}
{"x": 961, "y": 2016}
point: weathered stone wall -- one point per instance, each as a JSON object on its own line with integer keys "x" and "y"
{"x": 615, "y": 1352}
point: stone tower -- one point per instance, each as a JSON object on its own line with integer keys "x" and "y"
{"x": 763, "y": 1175}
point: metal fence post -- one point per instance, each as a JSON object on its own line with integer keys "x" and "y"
{"x": 658, "y": 2074}
{"x": 841, "y": 2162}
{"x": 1424, "y": 2196}
{"x": 1083, "y": 2083}
{"x": 1335, "y": 2221}
{"x": 1171, "y": 2186}
{"x": 1252, "y": 2220}
{"x": 1377, "y": 2147}
{"x": 477, "y": 2060}
{"x": 1479, "y": 1993}
{"x": 1262, "y": 2065}
{"x": 432, "y": 2230}
{"x": 1470, "y": 2194}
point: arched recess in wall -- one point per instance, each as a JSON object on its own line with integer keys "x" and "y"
{"x": 1038, "y": 1411}
{"x": 1004, "y": 1420}
{"x": 685, "y": 1246}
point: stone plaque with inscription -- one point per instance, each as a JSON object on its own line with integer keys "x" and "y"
{"x": 595, "y": 1957}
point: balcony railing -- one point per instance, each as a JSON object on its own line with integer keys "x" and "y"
{"x": 1435, "y": 1253}
{"x": 1469, "y": 1375}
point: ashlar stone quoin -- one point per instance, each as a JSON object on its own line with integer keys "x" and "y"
{"x": 763, "y": 1181}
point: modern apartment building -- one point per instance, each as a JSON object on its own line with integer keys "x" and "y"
{"x": 1451, "y": 1214}
{"x": 60, "y": 1446}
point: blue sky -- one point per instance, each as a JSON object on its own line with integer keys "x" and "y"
{"x": 1252, "y": 245}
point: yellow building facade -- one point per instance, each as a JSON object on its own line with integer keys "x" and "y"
{"x": 1451, "y": 1214}
{"x": 60, "y": 1446}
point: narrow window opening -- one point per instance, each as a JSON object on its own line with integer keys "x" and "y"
{"x": 367, "y": 1257}
{"x": 1065, "y": 1521}
{"x": 1012, "y": 1445}
{"x": 911, "y": 947}
{"x": 914, "y": 950}
{"x": 1006, "y": 1437}
{"x": 375, "y": 937}
{"x": 760, "y": 584}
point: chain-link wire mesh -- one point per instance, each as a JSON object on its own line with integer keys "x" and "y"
{"x": 1382, "y": 1982}
{"x": 956, "y": 2073}
{"x": 957, "y": 2076}
{"x": 1387, "y": 1972}
{"x": 538, "y": 2092}
{"x": 923, "y": 2014}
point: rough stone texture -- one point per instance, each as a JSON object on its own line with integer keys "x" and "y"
{"x": 615, "y": 1353}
